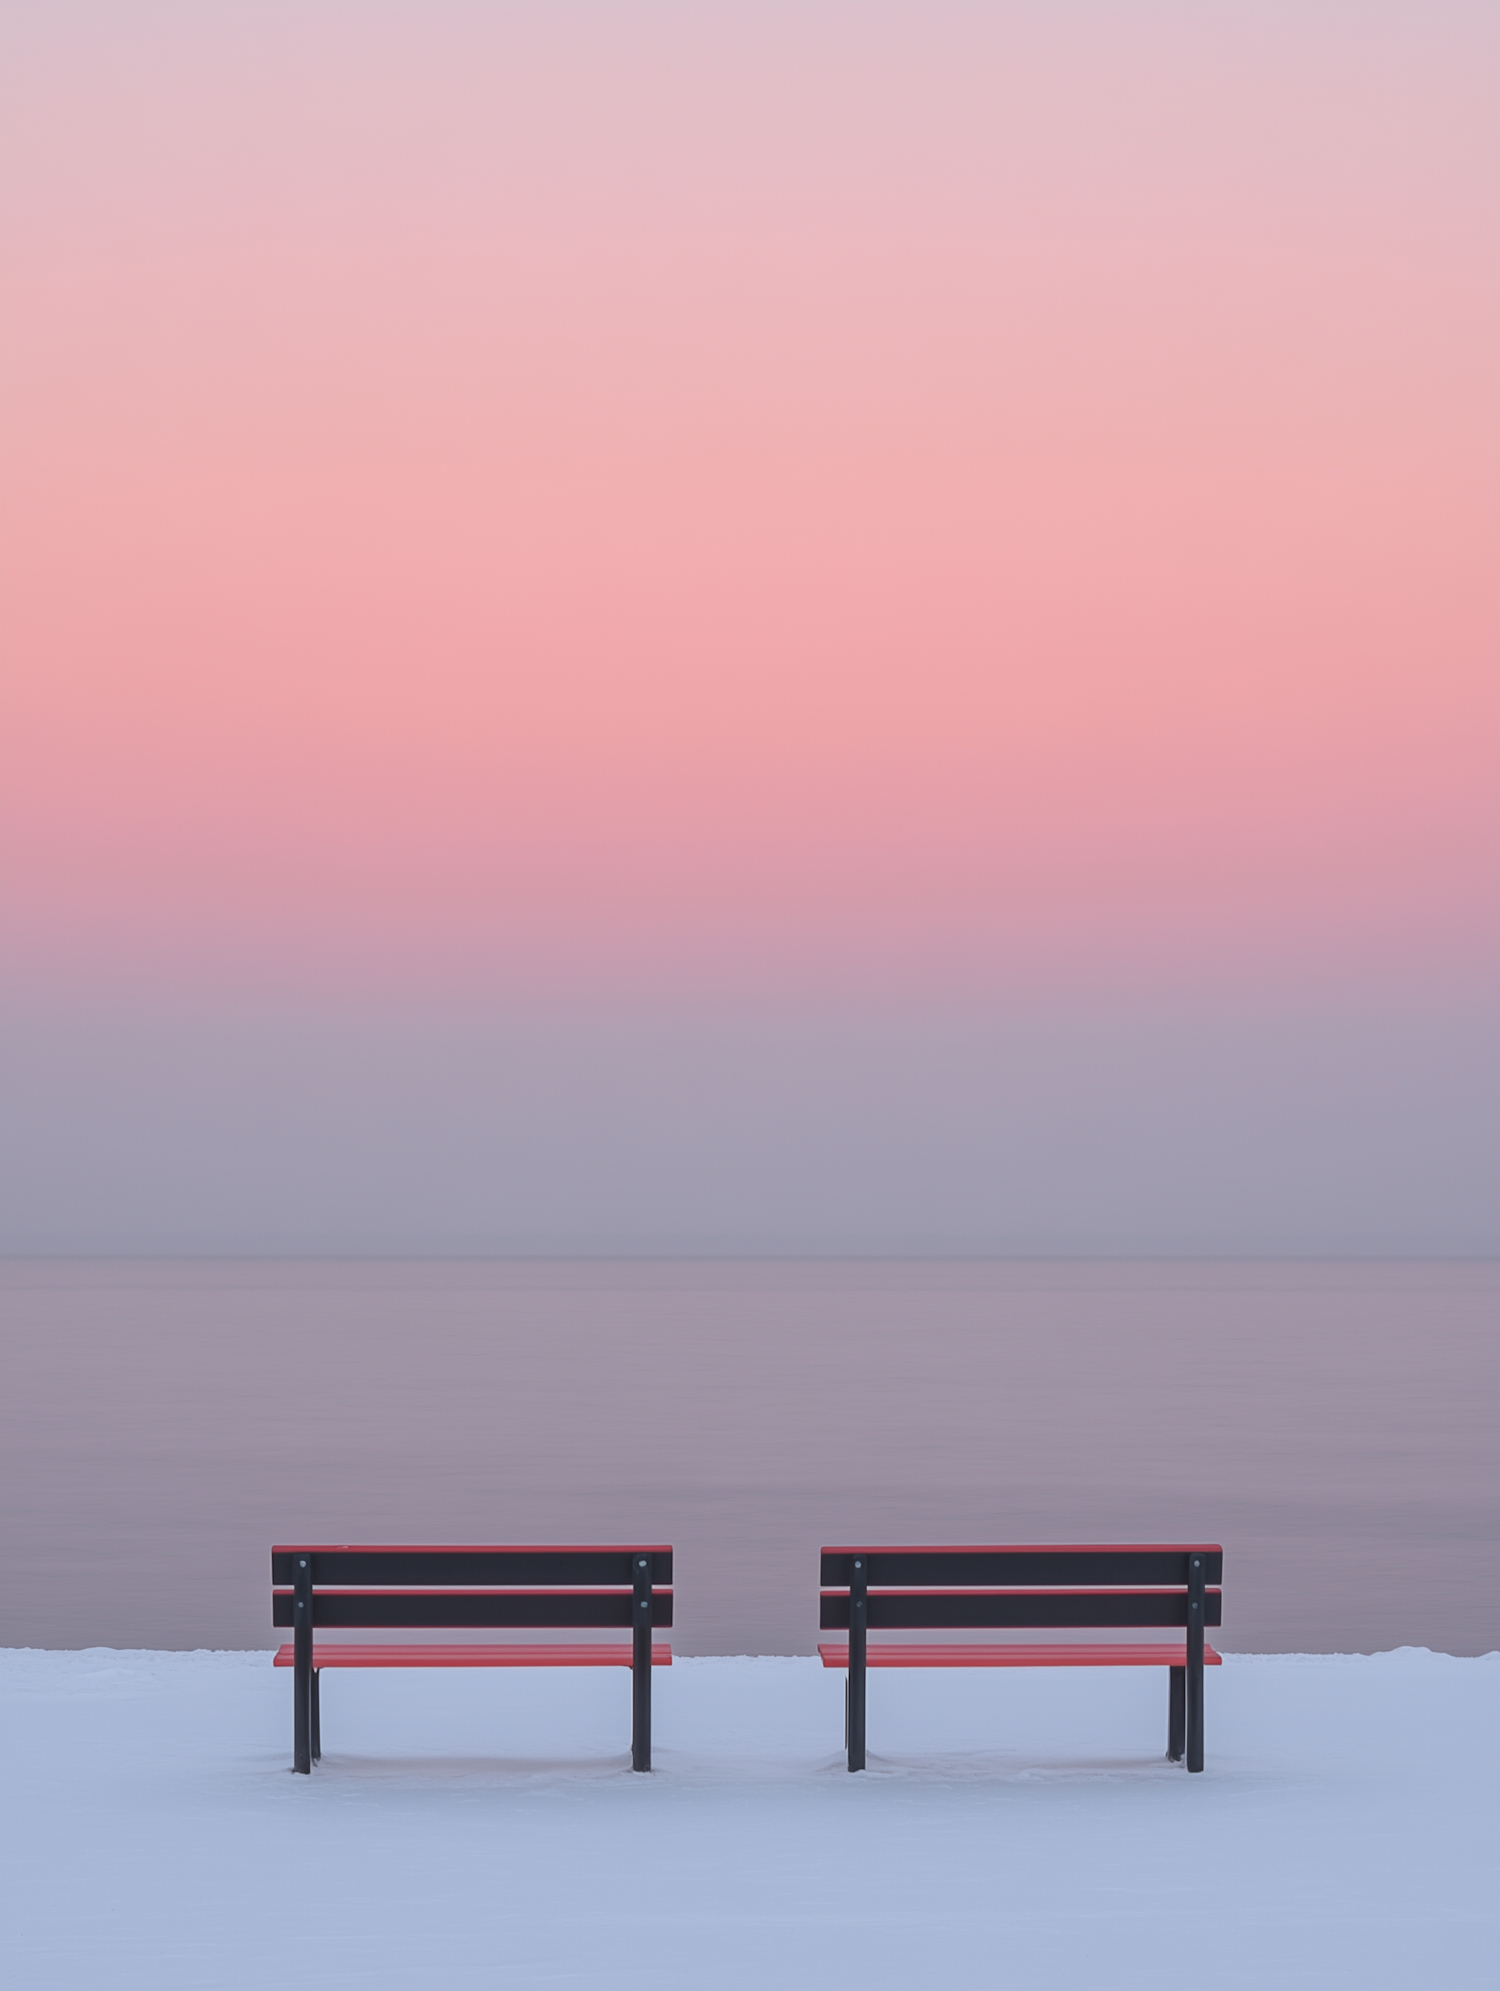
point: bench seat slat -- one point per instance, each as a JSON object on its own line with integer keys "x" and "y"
{"x": 1018, "y": 1655}
{"x": 472, "y": 1655}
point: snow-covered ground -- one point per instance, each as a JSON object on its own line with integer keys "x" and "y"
{"x": 1013, "y": 1829}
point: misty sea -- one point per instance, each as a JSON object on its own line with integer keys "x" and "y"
{"x": 1333, "y": 1424}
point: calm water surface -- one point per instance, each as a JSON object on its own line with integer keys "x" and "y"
{"x": 1334, "y": 1425}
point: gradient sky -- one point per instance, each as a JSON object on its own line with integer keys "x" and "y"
{"x": 867, "y": 515}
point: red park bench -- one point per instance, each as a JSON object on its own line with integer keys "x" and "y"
{"x": 1027, "y": 1588}
{"x": 344, "y": 1588}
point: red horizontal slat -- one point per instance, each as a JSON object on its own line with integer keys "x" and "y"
{"x": 472, "y": 1655}
{"x": 1112, "y": 1590}
{"x": 1029, "y": 1548}
{"x": 475, "y": 1590}
{"x": 1018, "y": 1655}
{"x": 471, "y": 1548}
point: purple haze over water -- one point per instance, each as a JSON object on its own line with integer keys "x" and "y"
{"x": 1332, "y": 1423}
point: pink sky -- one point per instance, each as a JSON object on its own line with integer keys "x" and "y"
{"x": 604, "y": 496}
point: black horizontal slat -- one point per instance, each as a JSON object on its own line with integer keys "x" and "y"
{"x": 346, "y": 1610}
{"x": 1015, "y": 1610}
{"x": 1039, "y": 1568}
{"x": 451, "y": 1567}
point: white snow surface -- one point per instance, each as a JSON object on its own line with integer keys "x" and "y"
{"x": 484, "y": 1828}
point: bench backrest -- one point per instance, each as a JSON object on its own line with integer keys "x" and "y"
{"x": 352, "y": 1586}
{"x": 1015, "y": 1588}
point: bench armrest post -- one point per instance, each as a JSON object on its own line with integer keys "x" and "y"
{"x": 302, "y": 1667}
{"x": 859, "y": 1565}
{"x": 1194, "y": 1681}
{"x": 641, "y": 1566}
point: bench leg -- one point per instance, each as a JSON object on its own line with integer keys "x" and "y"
{"x": 640, "y": 1706}
{"x": 1194, "y": 1683}
{"x": 1194, "y": 1723}
{"x": 858, "y": 1620}
{"x": 855, "y": 1723}
{"x": 317, "y": 1724}
{"x": 1176, "y": 1712}
{"x": 302, "y": 1668}
{"x": 301, "y": 1721}
{"x": 640, "y": 1662}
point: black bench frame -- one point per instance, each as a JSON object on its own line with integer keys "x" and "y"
{"x": 349, "y": 1586}
{"x": 995, "y": 1588}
